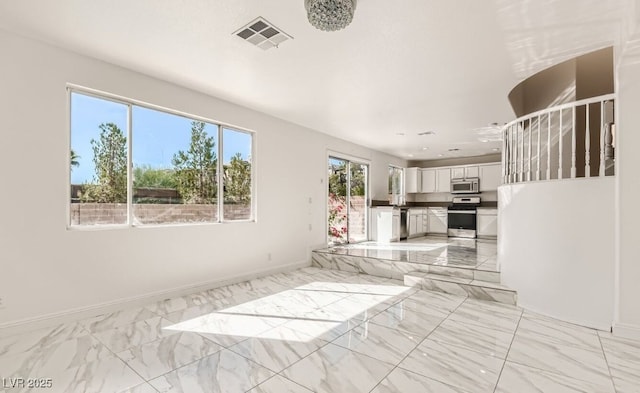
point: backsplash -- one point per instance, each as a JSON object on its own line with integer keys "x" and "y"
{"x": 487, "y": 196}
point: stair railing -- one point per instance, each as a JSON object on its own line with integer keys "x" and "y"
{"x": 571, "y": 140}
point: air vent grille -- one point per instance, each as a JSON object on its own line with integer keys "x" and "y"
{"x": 263, "y": 34}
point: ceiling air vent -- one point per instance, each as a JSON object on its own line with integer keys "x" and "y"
{"x": 262, "y": 34}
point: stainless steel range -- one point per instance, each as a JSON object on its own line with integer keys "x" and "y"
{"x": 461, "y": 216}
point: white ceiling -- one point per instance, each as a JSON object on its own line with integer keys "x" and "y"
{"x": 401, "y": 67}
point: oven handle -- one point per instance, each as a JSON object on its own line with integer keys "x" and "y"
{"x": 462, "y": 211}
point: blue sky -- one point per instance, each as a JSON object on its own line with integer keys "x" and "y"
{"x": 157, "y": 136}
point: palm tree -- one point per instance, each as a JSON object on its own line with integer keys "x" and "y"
{"x": 74, "y": 159}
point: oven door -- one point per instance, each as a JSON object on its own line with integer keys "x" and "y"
{"x": 461, "y": 223}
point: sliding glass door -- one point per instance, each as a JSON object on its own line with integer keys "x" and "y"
{"x": 347, "y": 201}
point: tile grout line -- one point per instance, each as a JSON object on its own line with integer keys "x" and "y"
{"x": 126, "y": 365}
{"x": 348, "y": 349}
{"x": 508, "y": 351}
{"x": 606, "y": 360}
{"x": 397, "y": 365}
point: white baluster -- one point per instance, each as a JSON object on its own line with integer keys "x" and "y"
{"x": 560, "y": 148}
{"x": 602, "y": 131}
{"x": 506, "y": 152}
{"x": 514, "y": 138}
{"x": 521, "y": 136}
{"x": 529, "y": 165}
{"x": 538, "y": 159}
{"x": 587, "y": 147}
{"x": 549, "y": 146}
{"x": 573, "y": 142}
{"x": 512, "y": 155}
{"x": 504, "y": 155}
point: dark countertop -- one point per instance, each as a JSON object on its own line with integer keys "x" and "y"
{"x": 487, "y": 204}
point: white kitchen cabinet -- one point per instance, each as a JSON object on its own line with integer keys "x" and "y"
{"x": 385, "y": 224}
{"x": 428, "y": 177}
{"x": 425, "y": 226}
{"x": 395, "y": 226}
{"x": 487, "y": 223}
{"x": 437, "y": 220}
{"x": 412, "y": 180}
{"x": 443, "y": 180}
{"x": 457, "y": 173}
{"x": 490, "y": 177}
{"x": 464, "y": 172}
{"x": 435, "y": 180}
{"x": 471, "y": 171}
{"x": 413, "y": 226}
{"x": 416, "y": 222}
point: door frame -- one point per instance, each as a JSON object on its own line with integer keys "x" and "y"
{"x": 349, "y": 158}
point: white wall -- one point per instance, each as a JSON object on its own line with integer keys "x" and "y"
{"x": 47, "y": 269}
{"x": 627, "y": 321}
{"x": 556, "y": 247}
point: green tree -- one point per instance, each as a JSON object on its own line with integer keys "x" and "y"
{"x": 74, "y": 159}
{"x": 338, "y": 179}
{"x": 195, "y": 169}
{"x": 110, "y": 160}
{"x": 147, "y": 177}
{"x": 237, "y": 180}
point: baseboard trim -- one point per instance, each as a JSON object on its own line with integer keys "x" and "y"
{"x": 591, "y": 324}
{"x": 626, "y": 330}
{"x": 70, "y": 315}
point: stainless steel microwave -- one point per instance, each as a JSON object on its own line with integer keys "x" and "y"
{"x": 465, "y": 186}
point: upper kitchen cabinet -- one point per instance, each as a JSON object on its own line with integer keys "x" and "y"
{"x": 443, "y": 182}
{"x": 428, "y": 177}
{"x": 435, "y": 180}
{"x": 412, "y": 180}
{"x": 465, "y": 172}
{"x": 490, "y": 177}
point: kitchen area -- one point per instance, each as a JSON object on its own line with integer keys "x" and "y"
{"x": 437, "y": 231}
{"x": 454, "y": 201}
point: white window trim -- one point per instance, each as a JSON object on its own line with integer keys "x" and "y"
{"x": 130, "y": 102}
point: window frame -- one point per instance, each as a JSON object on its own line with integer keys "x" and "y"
{"x": 402, "y": 170}
{"x": 130, "y": 103}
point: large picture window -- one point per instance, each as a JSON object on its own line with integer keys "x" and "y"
{"x": 133, "y": 165}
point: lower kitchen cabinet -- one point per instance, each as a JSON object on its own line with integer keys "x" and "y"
{"x": 385, "y": 224}
{"x": 487, "y": 223}
{"x": 437, "y": 220}
{"x": 416, "y": 222}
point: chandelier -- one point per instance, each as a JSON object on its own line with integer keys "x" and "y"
{"x": 330, "y": 15}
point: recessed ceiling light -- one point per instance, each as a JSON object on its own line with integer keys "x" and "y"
{"x": 484, "y": 140}
{"x": 409, "y": 155}
{"x": 440, "y": 155}
{"x": 496, "y": 149}
{"x": 425, "y": 148}
{"x": 427, "y": 133}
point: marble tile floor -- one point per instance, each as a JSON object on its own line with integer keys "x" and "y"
{"x": 318, "y": 330}
{"x": 478, "y": 254}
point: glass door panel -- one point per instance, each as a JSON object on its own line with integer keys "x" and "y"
{"x": 357, "y": 223}
{"x": 337, "y": 201}
{"x": 347, "y": 201}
